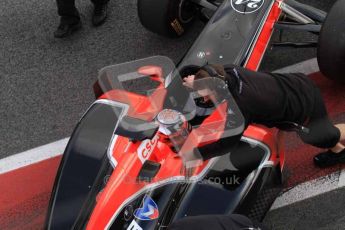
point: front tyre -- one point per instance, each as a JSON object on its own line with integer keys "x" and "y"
{"x": 170, "y": 18}
{"x": 331, "y": 48}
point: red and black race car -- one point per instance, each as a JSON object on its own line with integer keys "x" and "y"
{"x": 147, "y": 152}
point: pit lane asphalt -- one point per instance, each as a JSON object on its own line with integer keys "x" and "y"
{"x": 46, "y": 83}
{"x": 324, "y": 212}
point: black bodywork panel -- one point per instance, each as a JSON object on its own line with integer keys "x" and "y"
{"x": 82, "y": 161}
{"x": 136, "y": 129}
{"x": 222, "y": 190}
{"x": 228, "y": 37}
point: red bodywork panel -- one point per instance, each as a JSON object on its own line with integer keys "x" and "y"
{"x": 264, "y": 38}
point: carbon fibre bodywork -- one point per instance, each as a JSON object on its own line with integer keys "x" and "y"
{"x": 229, "y": 36}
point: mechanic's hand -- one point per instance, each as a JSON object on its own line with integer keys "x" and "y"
{"x": 188, "y": 81}
{"x": 204, "y": 93}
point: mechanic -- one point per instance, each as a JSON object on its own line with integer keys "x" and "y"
{"x": 275, "y": 100}
{"x": 70, "y": 18}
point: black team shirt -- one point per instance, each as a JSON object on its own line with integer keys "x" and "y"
{"x": 267, "y": 99}
{"x": 270, "y": 98}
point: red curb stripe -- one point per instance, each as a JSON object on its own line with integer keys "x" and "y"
{"x": 24, "y": 194}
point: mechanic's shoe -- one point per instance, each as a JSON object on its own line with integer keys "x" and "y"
{"x": 329, "y": 158}
{"x": 99, "y": 14}
{"x": 66, "y": 29}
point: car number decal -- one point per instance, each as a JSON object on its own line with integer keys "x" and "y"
{"x": 246, "y": 6}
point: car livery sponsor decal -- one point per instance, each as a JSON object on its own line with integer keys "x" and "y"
{"x": 246, "y": 6}
{"x": 148, "y": 210}
{"x": 146, "y": 148}
{"x": 176, "y": 25}
{"x": 134, "y": 226}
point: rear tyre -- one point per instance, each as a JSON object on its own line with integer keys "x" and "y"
{"x": 170, "y": 18}
{"x": 331, "y": 48}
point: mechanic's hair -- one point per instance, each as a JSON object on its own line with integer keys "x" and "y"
{"x": 204, "y": 74}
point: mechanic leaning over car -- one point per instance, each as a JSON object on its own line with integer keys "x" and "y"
{"x": 274, "y": 100}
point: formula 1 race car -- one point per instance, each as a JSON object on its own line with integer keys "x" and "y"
{"x": 149, "y": 152}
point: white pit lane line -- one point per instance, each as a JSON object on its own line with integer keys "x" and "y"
{"x": 33, "y": 156}
{"x": 300, "y": 192}
{"x": 311, "y": 189}
{"x": 307, "y": 67}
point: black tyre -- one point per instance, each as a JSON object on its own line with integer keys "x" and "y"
{"x": 170, "y": 18}
{"x": 331, "y": 49}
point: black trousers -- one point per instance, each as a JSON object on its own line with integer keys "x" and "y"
{"x": 322, "y": 132}
{"x": 68, "y": 11}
